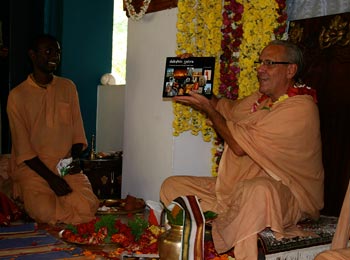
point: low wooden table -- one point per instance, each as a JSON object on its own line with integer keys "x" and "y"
{"x": 105, "y": 176}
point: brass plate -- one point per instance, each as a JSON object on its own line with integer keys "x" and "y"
{"x": 116, "y": 207}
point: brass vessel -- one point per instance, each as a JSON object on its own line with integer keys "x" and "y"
{"x": 170, "y": 243}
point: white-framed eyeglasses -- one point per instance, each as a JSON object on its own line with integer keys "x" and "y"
{"x": 270, "y": 63}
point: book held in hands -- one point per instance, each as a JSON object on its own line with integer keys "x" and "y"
{"x": 183, "y": 75}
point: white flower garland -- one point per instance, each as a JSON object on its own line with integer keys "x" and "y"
{"x": 143, "y": 9}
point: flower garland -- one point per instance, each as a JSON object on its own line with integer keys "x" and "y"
{"x": 263, "y": 18}
{"x": 132, "y": 12}
{"x": 137, "y": 235}
{"x": 297, "y": 89}
{"x": 198, "y": 33}
{"x": 232, "y": 32}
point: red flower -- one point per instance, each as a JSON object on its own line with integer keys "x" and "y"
{"x": 237, "y": 17}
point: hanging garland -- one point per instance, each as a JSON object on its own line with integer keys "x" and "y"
{"x": 235, "y": 14}
{"x": 242, "y": 21}
{"x": 132, "y": 12}
{"x": 232, "y": 32}
{"x": 260, "y": 18}
{"x": 198, "y": 33}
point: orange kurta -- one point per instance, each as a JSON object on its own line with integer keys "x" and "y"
{"x": 46, "y": 123}
{"x": 278, "y": 182}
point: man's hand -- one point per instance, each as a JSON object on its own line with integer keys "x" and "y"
{"x": 76, "y": 150}
{"x": 197, "y": 101}
{"x": 74, "y": 167}
{"x": 59, "y": 185}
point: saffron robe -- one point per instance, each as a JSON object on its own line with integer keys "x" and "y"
{"x": 277, "y": 183}
{"x": 339, "y": 249}
{"x": 46, "y": 122}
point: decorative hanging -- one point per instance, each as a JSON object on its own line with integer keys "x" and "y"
{"x": 232, "y": 32}
{"x": 267, "y": 20}
{"x": 198, "y": 32}
{"x": 132, "y": 12}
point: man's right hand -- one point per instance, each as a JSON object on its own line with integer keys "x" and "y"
{"x": 56, "y": 183}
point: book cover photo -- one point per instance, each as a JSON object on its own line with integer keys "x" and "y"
{"x": 183, "y": 75}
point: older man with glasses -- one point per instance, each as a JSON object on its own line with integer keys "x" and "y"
{"x": 271, "y": 172}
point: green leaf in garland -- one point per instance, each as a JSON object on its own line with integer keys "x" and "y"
{"x": 72, "y": 228}
{"x": 107, "y": 221}
{"x": 137, "y": 226}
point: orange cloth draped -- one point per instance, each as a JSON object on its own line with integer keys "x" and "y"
{"x": 339, "y": 249}
{"x": 342, "y": 233}
{"x": 339, "y": 254}
{"x": 46, "y": 123}
{"x": 277, "y": 183}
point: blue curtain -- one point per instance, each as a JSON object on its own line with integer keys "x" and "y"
{"x": 53, "y": 18}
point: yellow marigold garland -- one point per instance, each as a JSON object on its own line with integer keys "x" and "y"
{"x": 198, "y": 33}
{"x": 260, "y": 20}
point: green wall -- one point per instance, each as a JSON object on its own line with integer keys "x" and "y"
{"x": 86, "y": 28}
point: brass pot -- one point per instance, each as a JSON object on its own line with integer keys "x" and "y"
{"x": 169, "y": 243}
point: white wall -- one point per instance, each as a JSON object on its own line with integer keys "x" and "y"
{"x": 110, "y": 118}
{"x": 151, "y": 153}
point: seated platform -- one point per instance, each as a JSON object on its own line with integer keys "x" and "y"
{"x": 300, "y": 248}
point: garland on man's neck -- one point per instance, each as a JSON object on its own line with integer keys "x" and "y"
{"x": 297, "y": 89}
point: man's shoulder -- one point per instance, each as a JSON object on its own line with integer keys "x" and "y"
{"x": 64, "y": 80}
{"x": 301, "y": 100}
{"x": 20, "y": 87}
{"x": 64, "y": 83}
{"x": 298, "y": 106}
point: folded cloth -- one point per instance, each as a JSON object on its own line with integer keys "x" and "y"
{"x": 8, "y": 210}
{"x": 194, "y": 228}
{"x": 155, "y": 212}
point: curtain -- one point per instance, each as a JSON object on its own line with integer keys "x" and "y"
{"x": 53, "y": 18}
{"x": 325, "y": 42}
{"x": 302, "y": 9}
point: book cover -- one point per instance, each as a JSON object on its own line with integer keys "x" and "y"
{"x": 183, "y": 75}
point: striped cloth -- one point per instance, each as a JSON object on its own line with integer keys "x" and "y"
{"x": 193, "y": 230}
